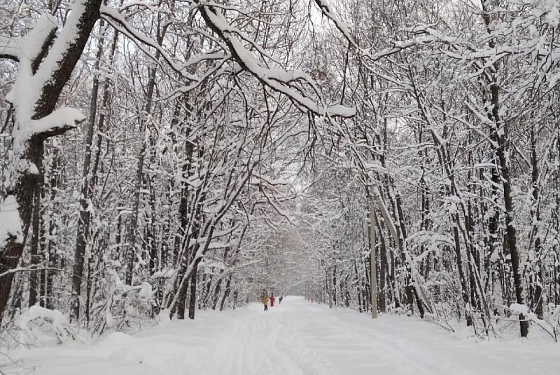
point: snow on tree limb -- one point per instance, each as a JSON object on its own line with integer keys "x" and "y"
{"x": 58, "y": 122}
{"x": 115, "y": 19}
{"x": 397, "y": 46}
{"x": 28, "y": 46}
{"x": 39, "y": 71}
{"x": 278, "y": 79}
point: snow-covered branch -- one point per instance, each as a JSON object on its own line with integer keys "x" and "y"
{"x": 290, "y": 83}
{"x": 397, "y": 46}
{"x": 26, "y": 48}
{"x": 115, "y": 19}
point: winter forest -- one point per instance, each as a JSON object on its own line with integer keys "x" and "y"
{"x": 167, "y": 157}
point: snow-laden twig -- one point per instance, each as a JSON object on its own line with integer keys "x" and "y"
{"x": 343, "y": 27}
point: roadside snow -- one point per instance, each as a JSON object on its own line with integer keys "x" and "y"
{"x": 293, "y": 338}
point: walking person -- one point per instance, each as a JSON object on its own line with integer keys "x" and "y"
{"x": 265, "y": 302}
{"x": 272, "y": 300}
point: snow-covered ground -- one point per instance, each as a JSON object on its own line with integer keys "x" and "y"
{"x": 296, "y": 337}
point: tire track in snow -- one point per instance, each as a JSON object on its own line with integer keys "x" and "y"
{"x": 321, "y": 340}
{"x": 251, "y": 347}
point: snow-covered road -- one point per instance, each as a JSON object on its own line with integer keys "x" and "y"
{"x": 294, "y": 338}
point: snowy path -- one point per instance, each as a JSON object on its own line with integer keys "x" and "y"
{"x": 294, "y": 338}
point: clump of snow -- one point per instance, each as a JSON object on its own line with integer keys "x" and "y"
{"x": 553, "y": 16}
{"x": 165, "y": 273}
{"x": 10, "y": 222}
{"x": 64, "y": 116}
{"x": 519, "y": 309}
{"x": 38, "y": 324}
{"x": 145, "y": 291}
{"x": 126, "y": 355}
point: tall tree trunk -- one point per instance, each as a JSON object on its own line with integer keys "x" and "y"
{"x": 538, "y": 280}
{"x": 84, "y": 221}
{"x": 44, "y": 251}
{"x": 182, "y": 239}
{"x": 383, "y": 271}
{"x": 23, "y": 183}
{"x": 34, "y": 280}
{"x": 131, "y": 255}
{"x": 133, "y": 229}
{"x": 89, "y": 175}
{"x": 192, "y": 299}
{"x": 227, "y": 292}
{"x": 499, "y": 134}
{"x": 51, "y": 247}
{"x": 217, "y": 289}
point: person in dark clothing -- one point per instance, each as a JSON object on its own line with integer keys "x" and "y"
{"x": 280, "y": 299}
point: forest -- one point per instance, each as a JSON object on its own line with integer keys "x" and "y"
{"x": 162, "y": 157}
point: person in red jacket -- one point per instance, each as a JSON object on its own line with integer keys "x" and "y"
{"x": 272, "y": 300}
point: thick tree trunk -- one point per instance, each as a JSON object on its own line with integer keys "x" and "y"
{"x": 80, "y": 23}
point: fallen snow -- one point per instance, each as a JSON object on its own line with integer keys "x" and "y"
{"x": 37, "y": 323}
{"x": 293, "y": 338}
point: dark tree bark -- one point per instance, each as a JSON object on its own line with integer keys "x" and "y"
{"x": 34, "y": 280}
{"x": 383, "y": 272}
{"x": 84, "y": 221}
{"x": 133, "y": 229}
{"x": 192, "y": 294}
{"x": 499, "y": 133}
{"x": 131, "y": 255}
{"x": 26, "y": 182}
{"x": 538, "y": 279}
{"x": 51, "y": 247}
{"x": 227, "y": 292}
{"x": 182, "y": 240}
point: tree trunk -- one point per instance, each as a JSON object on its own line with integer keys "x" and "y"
{"x": 383, "y": 272}
{"x": 51, "y": 247}
{"x": 34, "y": 280}
{"x": 192, "y": 296}
{"x": 80, "y": 24}
{"x": 499, "y": 133}
{"x": 538, "y": 279}
{"x": 131, "y": 254}
{"x": 227, "y": 292}
{"x": 373, "y": 258}
{"x": 84, "y": 221}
